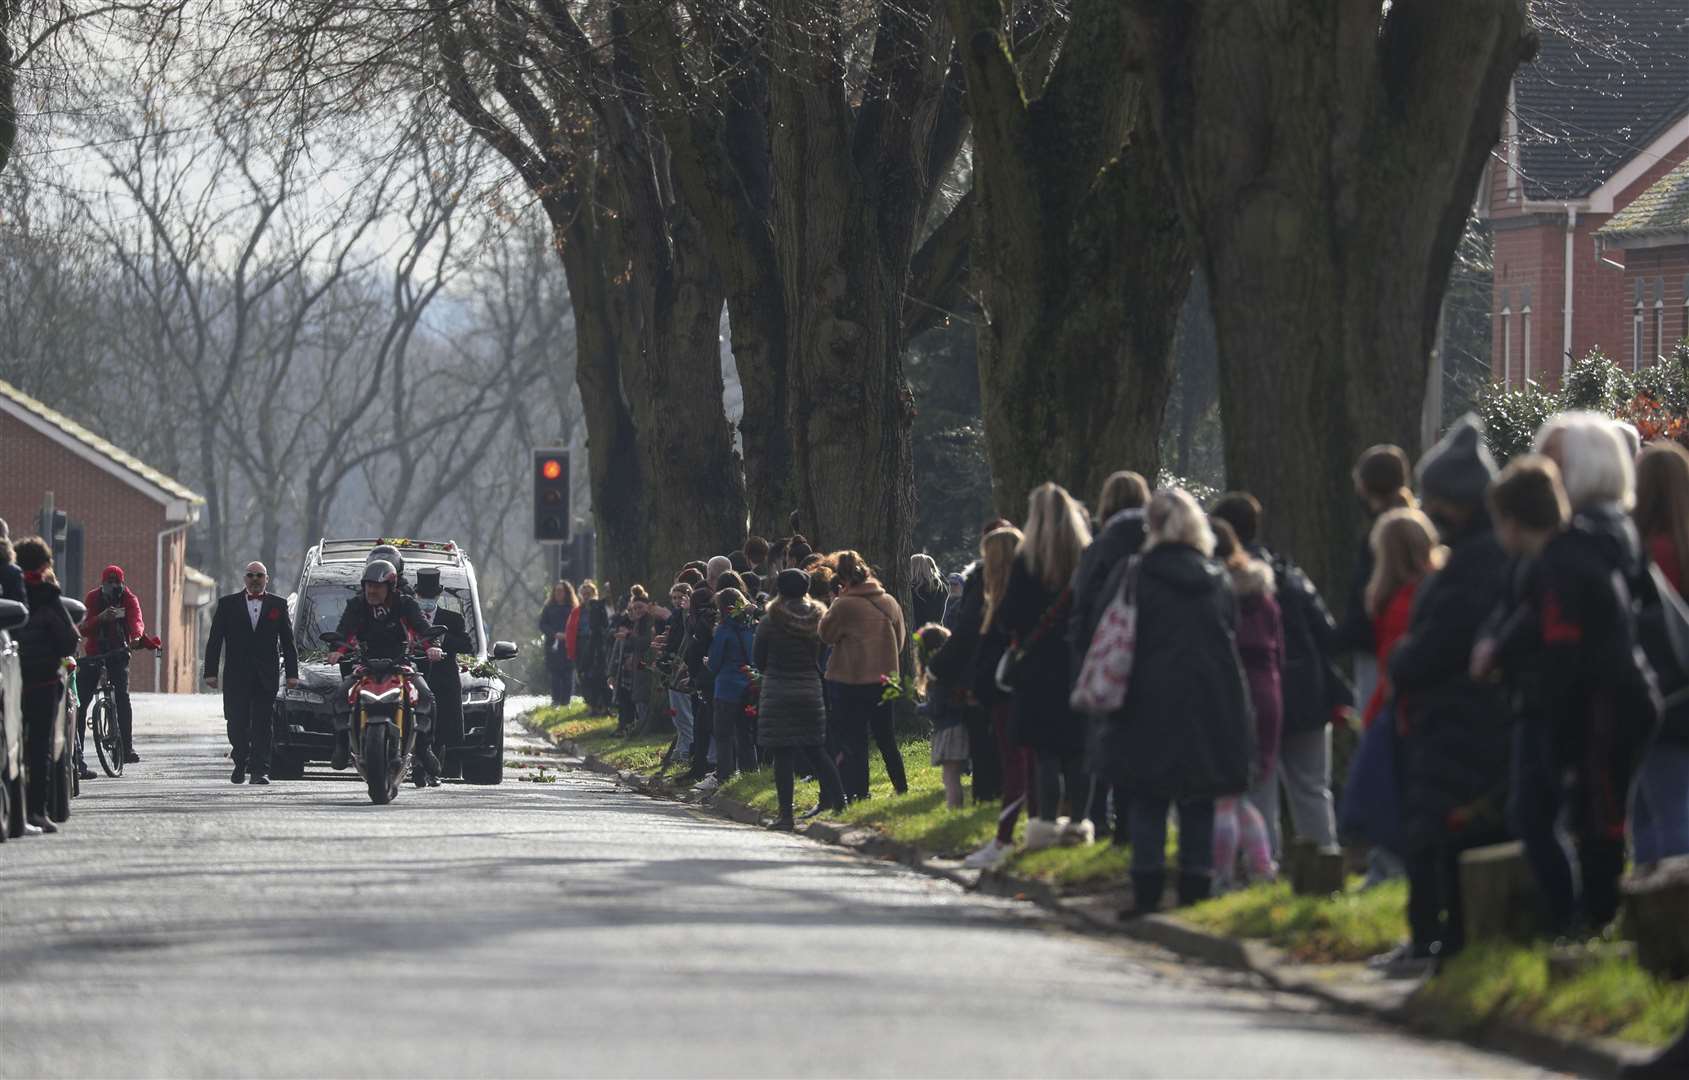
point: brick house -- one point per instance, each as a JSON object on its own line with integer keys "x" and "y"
{"x": 120, "y": 511}
{"x": 1599, "y": 118}
{"x": 1650, "y": 237}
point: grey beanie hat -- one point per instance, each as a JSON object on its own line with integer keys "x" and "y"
{"x": 1459, "y": 468}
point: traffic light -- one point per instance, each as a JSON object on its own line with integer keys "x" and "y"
{"x": 55, "y": 529}
{"x": 551, "y": 496}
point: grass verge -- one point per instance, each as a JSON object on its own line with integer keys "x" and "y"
{"x": 1611, "y": 997}
{"x": 596, "y": 735}
{"x": 1313, "y": 929}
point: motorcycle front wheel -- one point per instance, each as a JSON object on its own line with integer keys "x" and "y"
{"x": 378, "y": 764}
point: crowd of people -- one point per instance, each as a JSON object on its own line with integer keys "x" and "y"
{"x": 110, "y": 628}
{"x": 1511, "y": 652}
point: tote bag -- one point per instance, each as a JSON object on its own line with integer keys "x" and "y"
{"x": 1103, "y": 677}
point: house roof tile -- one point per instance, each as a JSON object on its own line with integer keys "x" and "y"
{"x": 1663, "y": 208}
{"x": 1610, "y": 77}
{"x": 118, "y": 458}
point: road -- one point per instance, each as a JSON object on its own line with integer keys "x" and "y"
{"x": 182, "y": 926}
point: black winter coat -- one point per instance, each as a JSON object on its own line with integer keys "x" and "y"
{"x": 1455, "y": 733}
{"x": 927, "y": 607}
{"x": 47, "y": 638}
{"x": 1313, "y": 688}
{"x": 554, "y": 620}
{"x": 1354, "y": 633}
{"x": 790, "y": 709}
{"x": 1121, "y": 537}
{"x": 1187, "y": 728}
{"x": 11, "y": 578}
{"x": 1036, "y": 618}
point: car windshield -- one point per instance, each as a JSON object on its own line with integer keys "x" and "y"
{"x": 322, "y": 602}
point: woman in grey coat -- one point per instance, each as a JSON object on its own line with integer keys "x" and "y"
{"x": 791, "y": 714}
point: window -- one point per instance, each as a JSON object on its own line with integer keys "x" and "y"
{"x": 1636, "y": 344}
{"x": 1525, "y": 352}
{"x": 1507, "y": 346}
{"x": 1660, "y": 325}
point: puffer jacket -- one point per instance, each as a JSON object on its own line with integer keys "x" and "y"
{"x": 1260, "y": 645}
{"x": 791, "y": 711}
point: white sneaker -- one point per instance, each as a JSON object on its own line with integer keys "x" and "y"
{"x": 988, "y": 856}
{"x": 1076, "y": 833}
{"x": 707, "y": 785}
{"x": 1041, "y": 834}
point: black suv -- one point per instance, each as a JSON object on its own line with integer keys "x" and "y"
{"x": 304, "y": 717}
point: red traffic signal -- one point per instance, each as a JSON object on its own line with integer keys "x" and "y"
{"x": 551, "y": 496}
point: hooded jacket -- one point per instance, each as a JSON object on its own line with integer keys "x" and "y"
{"x": 791, "y": 710}
{"x": 102, "y": 636}
{"x": 1186, "y": 729}
{"x": 865, "y": 628}
{"x": 1260, "y": 645}
{"x": 732, "y": 648}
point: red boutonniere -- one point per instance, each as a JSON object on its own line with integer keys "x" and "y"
{"x": 275, "y": 613}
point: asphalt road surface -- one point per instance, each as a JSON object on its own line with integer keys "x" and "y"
{"x": 182, "y": 926}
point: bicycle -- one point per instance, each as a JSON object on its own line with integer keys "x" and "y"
{"x": 102, "y": 711}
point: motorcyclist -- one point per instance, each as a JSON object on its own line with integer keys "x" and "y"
{"x": 389, "y": 553}
{"x": 386, "y": 623}
{"x": 442, "y": 675}
{"x": 113, "y": 623}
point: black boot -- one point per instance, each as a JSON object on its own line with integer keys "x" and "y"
{"x": 342, "y": 755}
{"x": 1147, "y": 887}
{"x": 1195, "y": 886}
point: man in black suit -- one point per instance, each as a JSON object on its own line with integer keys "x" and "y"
{"x": 441, "y": 675}
{"x": 255, "y": 626}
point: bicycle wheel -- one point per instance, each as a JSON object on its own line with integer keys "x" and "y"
{"x": 108, "y": 740}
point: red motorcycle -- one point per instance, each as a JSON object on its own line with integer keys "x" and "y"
{"x": 383, "y": 702}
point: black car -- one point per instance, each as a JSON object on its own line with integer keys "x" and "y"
{"x": 304, "y": 718}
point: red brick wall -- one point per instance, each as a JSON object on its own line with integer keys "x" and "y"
{"x": 120, "y": 525}
{"x": 1530, "y": 253}
{"x": 1654, "y": 267}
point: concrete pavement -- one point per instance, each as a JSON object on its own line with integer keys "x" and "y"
{"x": 182, "y": 926}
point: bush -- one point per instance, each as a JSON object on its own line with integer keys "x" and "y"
{"x": 1655, "y": 401}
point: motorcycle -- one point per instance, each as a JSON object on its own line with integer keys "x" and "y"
{"x": 383, "y": 702}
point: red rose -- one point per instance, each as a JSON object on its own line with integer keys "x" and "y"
{"x": 275, "y": 613}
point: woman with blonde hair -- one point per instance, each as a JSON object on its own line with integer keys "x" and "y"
{"x": 1404, "y": 550}
{"x": 996, "y": 559}
{"x": 1034, "y": 610}
{"x": 927, "y": 590}
{"x": 1185, "y": 735}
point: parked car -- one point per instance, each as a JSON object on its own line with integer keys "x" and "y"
{"x": 304, "y": 717}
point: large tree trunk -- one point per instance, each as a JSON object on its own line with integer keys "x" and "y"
{"x": 1080, "y": 261}
{"x": 843, "y": 239}
{"x": 666, "y": 486}
{"x": 1324, "y": 157}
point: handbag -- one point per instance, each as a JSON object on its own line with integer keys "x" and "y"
{"x": 1015, "y": 653}
{"x": 1107, "y": 668}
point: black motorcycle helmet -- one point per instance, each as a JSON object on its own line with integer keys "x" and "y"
{"x": 389, "y": 554}
{"x": 380, "y": 572}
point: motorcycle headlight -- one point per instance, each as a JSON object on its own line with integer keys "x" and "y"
{"x": 387, "y": 697}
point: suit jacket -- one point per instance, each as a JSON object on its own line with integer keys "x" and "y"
{"x": 252, "y": 653}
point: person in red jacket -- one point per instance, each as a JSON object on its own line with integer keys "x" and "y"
{"x": 113, "y": 624}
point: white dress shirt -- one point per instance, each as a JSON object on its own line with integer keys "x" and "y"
{"x": 254, "y": 604}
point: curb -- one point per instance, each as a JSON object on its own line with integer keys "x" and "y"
{"x": 1590, "y": 1056}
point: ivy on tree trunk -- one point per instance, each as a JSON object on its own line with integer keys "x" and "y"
{"x": 1080, "y": 263}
